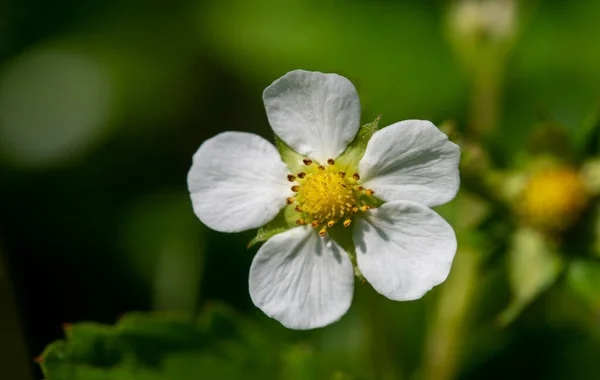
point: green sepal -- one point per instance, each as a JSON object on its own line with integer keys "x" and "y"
{"x": 534, "y": 264}
{"x": 349, "y": 159}
{"x": 285, "y": 220}
{"x": 289, "y": 156}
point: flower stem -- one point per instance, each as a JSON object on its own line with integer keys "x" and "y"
{"x": 485, "y": 104}
{"x": 15, "y": 361}
{"x": 443, "y": 346}
{"x": 383, "y": 365}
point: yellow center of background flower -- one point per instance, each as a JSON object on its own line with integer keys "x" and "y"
{"x": 553, "y": 198}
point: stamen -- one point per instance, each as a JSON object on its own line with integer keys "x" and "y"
{"x": 370, "y": 192}
{"x": 326, "y": 196}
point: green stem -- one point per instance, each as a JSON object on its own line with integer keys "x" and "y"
{"x": 385, "y": 363}
{"x": 15, "y": 361}
{"x": 485, "y": 104}
{"x": 443, "y": 346}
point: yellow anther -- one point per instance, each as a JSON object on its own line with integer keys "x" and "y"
{"x": 369, "y": 192}
{"x": 300, "y": 222}
{"x": 323, "y": 231}
{"x": 326, "y": 196}
{"x": 364, "y": 207}
{"x": 356, "y": 176}
{"x": 360, "y": 188}
{"x": 347, "y": 222}
{"x": 289, "y": 201}
{"x": 291, "y": 178}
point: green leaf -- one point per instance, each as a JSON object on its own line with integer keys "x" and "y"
{"x": 220, "y": 344}
{"x": 533, "y": 266}
{"x": 349, "y": 159}
{"x": 583, "y": 279}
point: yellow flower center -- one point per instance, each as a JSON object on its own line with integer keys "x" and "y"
{"x": 327, "y": 196}
{"x": 553, "y": 198}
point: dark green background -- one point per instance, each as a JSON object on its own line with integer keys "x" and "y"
{"x": 103, "y": 225}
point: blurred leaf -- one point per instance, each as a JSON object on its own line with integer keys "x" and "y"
{"x": 550, "y": 138}
{"x": 200, "y": 366}
{"x": 590, "y": 172}
{"x": 533, "y": 266}
{"x": 583, "y": 279}
{"x": 220, "y": 345}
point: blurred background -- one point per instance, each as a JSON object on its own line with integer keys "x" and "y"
{"x": 103, "y": 103}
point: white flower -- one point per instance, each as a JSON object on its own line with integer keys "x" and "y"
{"x": 302, "y": 277}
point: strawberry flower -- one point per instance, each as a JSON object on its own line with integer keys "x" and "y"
{"x": 375, "y": 189}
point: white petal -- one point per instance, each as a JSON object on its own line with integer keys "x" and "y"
{"x": 301, "y": 279}
{"x": 411, "y": 160}
{"x": 404, "y": 249}
{"x": 314, "y": 113}
{"x": 237, "y": 181}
